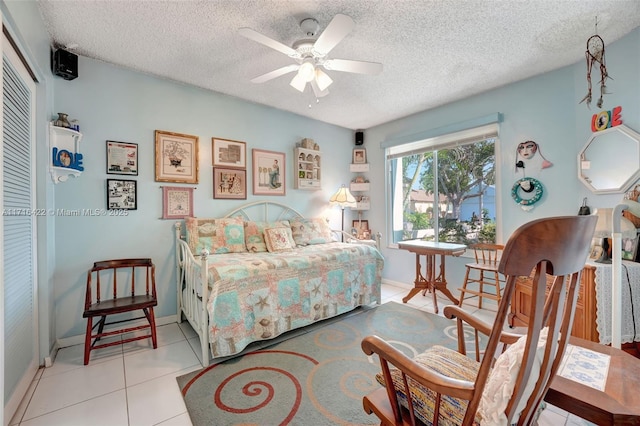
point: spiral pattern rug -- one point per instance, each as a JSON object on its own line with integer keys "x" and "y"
{"x": 317, "y": 377}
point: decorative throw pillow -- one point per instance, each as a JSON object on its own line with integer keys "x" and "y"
{"x": 278, "y": 239}
{"x": 216, "y": 235}
{"x": 230, "y": 236}
{"x": 502, "y": 381}
{"x": 254, "y": 234}
{"x": 447, "y": 362}
{"x": 310, "y": 231}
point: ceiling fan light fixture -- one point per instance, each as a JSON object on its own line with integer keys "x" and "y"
{"x": 307, "y": 71}
{"x": 298, "y": 83}
{"x": 322, "y": 79}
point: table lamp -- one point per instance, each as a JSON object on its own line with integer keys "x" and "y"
{"x": 343, "y": 198}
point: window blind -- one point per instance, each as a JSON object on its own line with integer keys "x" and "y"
{"x": 18, "y": 228}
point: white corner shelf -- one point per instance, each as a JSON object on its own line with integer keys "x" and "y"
{"x": 65, "y": 158}
{"x": 357, "y": 168}
{"x": 357, "y": 187}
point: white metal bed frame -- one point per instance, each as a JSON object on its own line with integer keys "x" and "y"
{"x": 191, "y": 273}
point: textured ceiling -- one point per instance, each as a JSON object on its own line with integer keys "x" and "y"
{"x": 433, "y": 52}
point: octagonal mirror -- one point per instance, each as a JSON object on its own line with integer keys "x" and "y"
{"x": 609, "y": 163}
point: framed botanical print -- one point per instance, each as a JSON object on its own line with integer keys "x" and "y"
{"x": 176, "y": 157}
{"x": 228, "y": 153}
{"x": 122, "y": 194}
{"x": 122, "y": 158}
{"x": 268, "y": 172}
{"x": 177, "y": 202}
{"x": 229, "y": 183}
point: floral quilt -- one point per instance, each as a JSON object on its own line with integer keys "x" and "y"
{"x": 258, "y": 296}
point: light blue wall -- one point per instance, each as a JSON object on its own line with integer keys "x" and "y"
{"x": 112, "y": 103}
{"x": 544, "y": 109}
{"x": 116, "y": 104}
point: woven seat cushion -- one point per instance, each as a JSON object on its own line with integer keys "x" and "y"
{"x": 446, "y": 362}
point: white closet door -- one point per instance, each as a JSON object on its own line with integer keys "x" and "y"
{"x": 18, "y": 227}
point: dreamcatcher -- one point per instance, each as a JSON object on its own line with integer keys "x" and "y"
{"x": 595, "y": 54}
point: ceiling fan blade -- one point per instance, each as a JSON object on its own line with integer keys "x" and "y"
{"x": 298, "y": 83}
{"x": 316, "y": 90}
{"x": 338, "y": 28}
{"x": 359, "y": 67}
{"x": 269, "y": 42}
{"x": 275, "y": 73}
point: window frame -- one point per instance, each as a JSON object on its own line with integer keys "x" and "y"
{"x": 419, "y": 143}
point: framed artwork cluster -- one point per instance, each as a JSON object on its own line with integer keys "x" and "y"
{"x": 122, "y": 159}
{"x": 229, "y": 169}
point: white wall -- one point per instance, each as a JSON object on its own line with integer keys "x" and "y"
{"x": 116, "y": 104}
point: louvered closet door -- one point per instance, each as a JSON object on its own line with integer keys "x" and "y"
{"x": 18, "y": 230}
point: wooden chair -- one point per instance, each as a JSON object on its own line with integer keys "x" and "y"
{"x": 484, "y": 271}
{"x": 445, "y": 385}
{"x": 102, "y": 300}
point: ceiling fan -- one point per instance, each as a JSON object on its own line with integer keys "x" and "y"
{"x": 311, "y": 55}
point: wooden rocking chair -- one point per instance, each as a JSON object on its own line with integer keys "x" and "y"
{"x": 444, "y": 385}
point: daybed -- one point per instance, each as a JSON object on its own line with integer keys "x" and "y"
{"x": 268, "y": 270}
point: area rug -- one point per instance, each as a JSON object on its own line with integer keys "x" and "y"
{"x": 315, "y": 378}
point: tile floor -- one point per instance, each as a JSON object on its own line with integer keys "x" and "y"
{"x": 135, "y": 385}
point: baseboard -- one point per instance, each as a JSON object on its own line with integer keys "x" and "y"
{"x": 397, "y": 284}
{"x": 79, "y": 339}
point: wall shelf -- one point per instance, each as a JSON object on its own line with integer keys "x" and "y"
{"x": 308, "y": 169}
{"x": 65, "y": 158}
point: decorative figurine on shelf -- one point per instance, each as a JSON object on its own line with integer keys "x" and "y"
{"x": 62, "y": 120}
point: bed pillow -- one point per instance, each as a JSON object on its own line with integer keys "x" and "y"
{"x": 278, "y": 239}
{"x": 502, "y": 380}
{"x": 310, "y": 231}
{"x": 254, "y": 234}
{"x": 224, "y": 235}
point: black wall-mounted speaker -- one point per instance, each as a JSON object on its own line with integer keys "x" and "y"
{"x": 359, "y": 138}
{"x": 65, "y": 64}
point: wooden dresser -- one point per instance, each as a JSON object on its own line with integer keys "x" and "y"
{"x": 584, "y": 323}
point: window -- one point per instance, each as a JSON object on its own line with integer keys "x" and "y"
{"x": 443, "y": 188}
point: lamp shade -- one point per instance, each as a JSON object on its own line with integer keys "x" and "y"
{"x": 343, "y": 198}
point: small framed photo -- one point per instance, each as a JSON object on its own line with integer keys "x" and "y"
{"x": 268, "y": 172}
{"x": 228, "y": 153}
{"x": 629, "y": 248}
{"x": 361, "y": 229}
{"x": 122, "y": 158}
{"x": 122, "y": 194}
{"x": 359, "y": 156}
{"x": 177, "y": 202}
{"x": 596, "y": 248}
{"x": 229, "y": 183}
{"x": 176, "y": 157}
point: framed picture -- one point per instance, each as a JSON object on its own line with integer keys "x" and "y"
{"x": 268, "y": 172}
{"x": 596, "y": 252}
{"x": 122, "y": 158}
{"x": 359, "y": 156}
{"x": 176, "y": 157}
{"x": 229, "y": 183}
{"x": 122, "y": 194}
{"x": 228, "y": 153}
{"x": 629, "y": 248}
{"x": 360, "y": 228}
{"x": 177, "y": 202}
